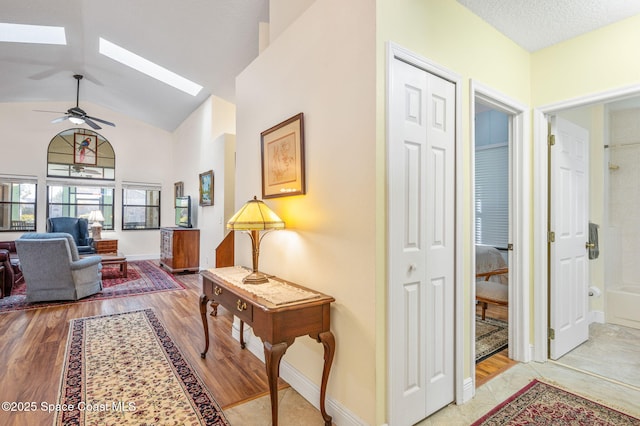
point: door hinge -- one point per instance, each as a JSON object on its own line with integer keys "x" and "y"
{"x": 552, "y": 334}
{"x": 552, "y": 140}
{"x": 551, "y": 237}
{"x": 510, "y": 246}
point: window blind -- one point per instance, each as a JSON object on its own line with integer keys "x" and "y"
{"x": 492, "y": 195}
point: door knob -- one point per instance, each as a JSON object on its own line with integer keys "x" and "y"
{"x": 589, "y": 245}
{"x": 412, "y": 267}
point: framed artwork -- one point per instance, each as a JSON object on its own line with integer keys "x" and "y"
{"x": 85, "y": 149}
{"x": 206, "y": 188}
{"x": 178, "y": 189}
{"x": 282, "y": 148}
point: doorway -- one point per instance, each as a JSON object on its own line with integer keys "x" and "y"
{"x": 541, "y": 207}
{"x": 492, "y": 194}
{"x": 613, "y": 149}
{"x": 511, "y": 241}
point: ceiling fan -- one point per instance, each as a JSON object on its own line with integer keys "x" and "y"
{"x": 77, "y": 115}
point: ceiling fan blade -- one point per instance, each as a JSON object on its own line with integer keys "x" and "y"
{"x": 91, "y": 123}
{"x": 99, "y": 120}
{"x": 45, "y": 110}
{"x": 59, "y": 119}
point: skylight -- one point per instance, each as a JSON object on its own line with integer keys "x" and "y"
{"x": 22, "y": 33}
{"x": 145, "y": 66}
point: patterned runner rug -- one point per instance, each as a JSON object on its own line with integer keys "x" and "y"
{"x": 543, "y": 404}
{"x": 125, "y": 369}
{"x": 143, "y": 276}
{"x": 492, "y": 336}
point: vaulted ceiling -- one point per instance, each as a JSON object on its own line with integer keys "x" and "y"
{"x": 206, "y": 41}
{"x": 209, "y": 42}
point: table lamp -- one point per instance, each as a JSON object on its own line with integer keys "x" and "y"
{"x": 96, "y": 227}
{"x": 252, "y": 218}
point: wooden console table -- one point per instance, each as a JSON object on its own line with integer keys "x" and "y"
{"x": 278, "y": 315}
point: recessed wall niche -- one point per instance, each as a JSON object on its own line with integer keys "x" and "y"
{"x": 81, "y": 153}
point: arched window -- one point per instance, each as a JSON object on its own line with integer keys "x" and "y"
{"x": 81, "y": 154}
{"x": 81, "y": 176}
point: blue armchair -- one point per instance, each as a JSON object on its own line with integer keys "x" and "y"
{"x": 77, "y": 227}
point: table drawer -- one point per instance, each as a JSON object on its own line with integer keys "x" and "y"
{"x": 235, "y": 304}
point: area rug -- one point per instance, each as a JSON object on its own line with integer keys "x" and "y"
{"x": 126, "y": 369}
{"x": 143, "y": 276}
{"x": 492, "y": 336}
{"x": 541, "y": 404}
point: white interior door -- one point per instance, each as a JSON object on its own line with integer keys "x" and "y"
{"x": 421, "y": 171}
{"x": 569, "y": 271}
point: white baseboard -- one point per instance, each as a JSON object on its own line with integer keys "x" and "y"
{"x": 596, "y": 316}
{"x": 305, "y": 387}
{"x": 468, "y": 389}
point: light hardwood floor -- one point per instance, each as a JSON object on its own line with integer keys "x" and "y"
{"x": 32, "y": 349}
{"x": 491, "y": 367}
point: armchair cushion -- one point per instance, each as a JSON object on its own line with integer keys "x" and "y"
{"x": 53, "y": 269}
{"x": 77, "y": 227}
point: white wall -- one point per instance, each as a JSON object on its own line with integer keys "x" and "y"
{"x": 203, "y": 142}
{"x": 323, "y": 65}
{"x": 142, "y": 155}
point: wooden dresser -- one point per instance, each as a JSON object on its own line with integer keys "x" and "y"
{"x": 180, "y": 249}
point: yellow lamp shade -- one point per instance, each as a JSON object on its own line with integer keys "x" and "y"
{"x": 255, "y": 215}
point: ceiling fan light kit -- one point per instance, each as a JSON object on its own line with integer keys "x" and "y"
{"x": 77, "y": 115}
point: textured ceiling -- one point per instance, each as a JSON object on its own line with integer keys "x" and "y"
{"x": 536, "y": 24}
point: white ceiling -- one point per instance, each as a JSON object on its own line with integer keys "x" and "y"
{"x": 206, "y": 41}
{"x": 209, "y": 42}
{"x": 536, "y": 24}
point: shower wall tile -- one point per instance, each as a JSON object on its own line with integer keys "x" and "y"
{"x": 624, "y": 192}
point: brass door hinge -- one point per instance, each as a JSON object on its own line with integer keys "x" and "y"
{"x": 552, "y": 140}
{"x": 552, "y": 334}
{"x": 551, "y": 237}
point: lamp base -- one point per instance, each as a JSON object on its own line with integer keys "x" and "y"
{"x": 96, "y": 232}
{"x": 255, "y": 278}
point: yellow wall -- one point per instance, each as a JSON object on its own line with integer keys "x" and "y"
{"x": 595, "y": 62}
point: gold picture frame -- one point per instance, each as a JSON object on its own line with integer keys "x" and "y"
{"x": 85, "y": 149}
{"x": 206, "y": 188}
{"x": 282, "y": 150}
{"x": 178, "y": 189}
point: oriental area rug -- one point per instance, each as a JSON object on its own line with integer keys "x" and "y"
{"x": 125, "y": 369}
{"x": 143, "y": 277}
{"x": 492, "y": 336}
{"x": 543, "y": 404}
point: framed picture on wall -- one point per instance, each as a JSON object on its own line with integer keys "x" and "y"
{"x": 85, "y": 149}
{"x": 282, "y": 148}
{"x": 178, "y": 189}
{"x": 206, "y": 188}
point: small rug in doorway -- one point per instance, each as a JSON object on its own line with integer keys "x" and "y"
{"x": 543, "y": 404}
{"x": 143, "y": 276}
{"x": 126, "y": 369}
{"x": 492, "y": 336}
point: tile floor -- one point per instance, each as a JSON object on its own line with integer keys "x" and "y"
{"x": 612, "y": 351}
{"x": 621, "y": 357}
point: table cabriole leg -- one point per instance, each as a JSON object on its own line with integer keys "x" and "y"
{"x": 205, "y": 325}
{"x": 272, "y": 356}
{"x": 329, "y": 343}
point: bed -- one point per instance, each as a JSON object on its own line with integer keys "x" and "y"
{"x": 492, "y": 278}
